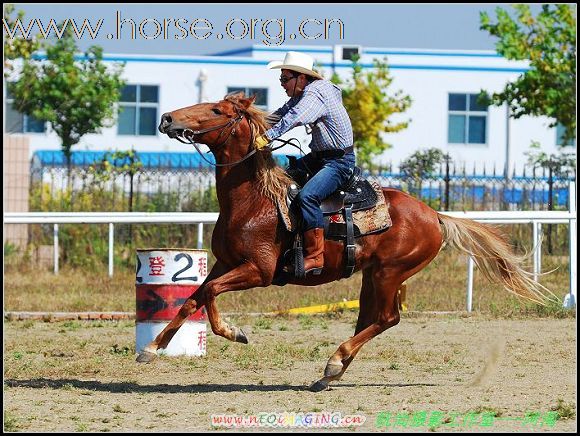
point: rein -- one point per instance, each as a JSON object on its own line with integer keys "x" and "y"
{"x": 189, "y": 139}
{"x": 189, "y": 135}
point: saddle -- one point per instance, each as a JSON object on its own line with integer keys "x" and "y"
{"x": 358, "y": 208}
{"x": 357, "y": 193}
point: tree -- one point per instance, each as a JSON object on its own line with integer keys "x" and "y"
{"x": 118, "y": 162}
{"x": 15, "y": 48}
{"x": 548, "y": 41}
{"x": 421, "y": 165}
{"x": 562, "y": 166}
{"x": 370, "y": 108}
{"x": 76, "y": 98}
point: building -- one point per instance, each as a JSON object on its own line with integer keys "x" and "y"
{"x": 443, "y": 85}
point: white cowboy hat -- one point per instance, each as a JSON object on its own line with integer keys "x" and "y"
{"x": 295, "y": 61}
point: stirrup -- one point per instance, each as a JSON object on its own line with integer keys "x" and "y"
{"x": 291, "y": 269}
{"x": 314, "y": 271}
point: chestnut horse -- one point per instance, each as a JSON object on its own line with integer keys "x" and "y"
{"x": 249, "y": 237}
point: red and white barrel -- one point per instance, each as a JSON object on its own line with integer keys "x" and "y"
{"x": 165, "y": 278}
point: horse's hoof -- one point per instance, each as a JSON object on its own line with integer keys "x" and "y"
{"x": 318, "y": 386}
{"x": 146, "y": 357}
{"x": 332, "y": 369}
{"x": 240, "y": 336}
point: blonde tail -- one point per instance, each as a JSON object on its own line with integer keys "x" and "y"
{"x": 494, "y": 257}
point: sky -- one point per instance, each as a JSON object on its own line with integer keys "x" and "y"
{"x": 198, "y": 29}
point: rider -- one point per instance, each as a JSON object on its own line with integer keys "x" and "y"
{"x": 318, "y": 103}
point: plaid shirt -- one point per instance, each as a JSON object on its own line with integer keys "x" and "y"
{"x": 321, "y": 107}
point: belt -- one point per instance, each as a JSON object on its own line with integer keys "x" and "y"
{"x": 334, "y": 153}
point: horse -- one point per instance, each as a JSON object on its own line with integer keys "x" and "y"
{"x": 249, "y": 239}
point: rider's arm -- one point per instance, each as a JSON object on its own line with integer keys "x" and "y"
{"x": 273, "y": 118}
{"x": 309, "y": 109}
{"x": 280, "y": 112}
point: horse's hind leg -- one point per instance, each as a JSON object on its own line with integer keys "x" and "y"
{"x": 379, "y": 310}
{"x": 367, "y": 314}
{"x": 193, "y": 303}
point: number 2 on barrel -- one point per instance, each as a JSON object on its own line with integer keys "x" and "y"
{"x": 175, "y": 277}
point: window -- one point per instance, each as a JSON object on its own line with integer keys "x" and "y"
{"x": 467, "y": 120}
{"x": 560, "y": 130}
{"x": 261, "y": 95}
{"x": 17, "y": 122}
{"x": 349, "y": 52}
{"x": 138, "y": 110}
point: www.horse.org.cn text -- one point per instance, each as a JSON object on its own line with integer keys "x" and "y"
{"x": 270, "y": 31}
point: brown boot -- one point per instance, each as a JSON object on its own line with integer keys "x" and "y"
{"x": 314, "y": 251}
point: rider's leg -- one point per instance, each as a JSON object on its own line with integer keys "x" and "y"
{"x": 334, "y": 173}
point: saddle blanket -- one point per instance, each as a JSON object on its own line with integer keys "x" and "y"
{"x": 367, "y": 221}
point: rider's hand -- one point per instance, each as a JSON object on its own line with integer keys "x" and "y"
{"x": 261, "y": 142}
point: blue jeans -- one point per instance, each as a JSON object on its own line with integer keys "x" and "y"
{"x": 330, "y": 175}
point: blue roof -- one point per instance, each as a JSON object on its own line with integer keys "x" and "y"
{"x": 148, "y": 159}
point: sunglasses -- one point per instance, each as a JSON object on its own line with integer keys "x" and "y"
{"x": 284, "y": 79}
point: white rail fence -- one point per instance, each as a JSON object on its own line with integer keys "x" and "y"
{"x": 536, "y": 218}
{"x": 111, "y": 218}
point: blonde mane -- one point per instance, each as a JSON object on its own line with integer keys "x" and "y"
{"x": 272, "y": 180}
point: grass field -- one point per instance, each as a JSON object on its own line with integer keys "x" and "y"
{"x": 440, "y": 287}
{"x": 464, "y": 373}
{"x": 508, "y": 361}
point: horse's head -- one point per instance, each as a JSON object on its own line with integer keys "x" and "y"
{"x": 215, "y": 124}
{"x": 229, "y": 128}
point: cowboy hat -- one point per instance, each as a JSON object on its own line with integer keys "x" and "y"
{"x": 295, "y": 61}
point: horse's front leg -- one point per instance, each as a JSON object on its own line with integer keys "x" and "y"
{"x": 245, "y": 276}
{"x": 193, "y": 303}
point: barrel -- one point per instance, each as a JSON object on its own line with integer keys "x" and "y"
{"x": 164, "y": 279}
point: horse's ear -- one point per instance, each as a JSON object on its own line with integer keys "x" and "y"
{"x": 247, "y": 102}
{"x": 234, "y": 95}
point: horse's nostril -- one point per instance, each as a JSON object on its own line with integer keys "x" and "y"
{"x": 166, "y": 119}
{"x": 165, "y": 122}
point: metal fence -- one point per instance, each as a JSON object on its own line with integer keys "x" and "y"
{"x": 535, "y": 218}
{"x": 165, "y": 188}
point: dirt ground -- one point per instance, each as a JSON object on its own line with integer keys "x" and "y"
{"x": 429, "y": 373}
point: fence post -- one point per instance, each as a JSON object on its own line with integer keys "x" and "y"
{"x": 200, "y": 236}
{"x": 111, "y": 251}
{"x": 570, "y": 298}
{"x": 537, "y": 244}
{"x": 550, "y": 204}
{"x": 469, "y": 283}
{"x": 55, "y": 246}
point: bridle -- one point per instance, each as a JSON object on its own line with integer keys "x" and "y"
{"x": 189, "y": 135}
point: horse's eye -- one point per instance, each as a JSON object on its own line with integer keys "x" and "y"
{"x": 216, "y": 111}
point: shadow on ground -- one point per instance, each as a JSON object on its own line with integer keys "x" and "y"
{"x": 93, "y": 385}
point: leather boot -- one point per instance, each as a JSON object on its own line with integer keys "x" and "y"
{"x": 314, "y": 251}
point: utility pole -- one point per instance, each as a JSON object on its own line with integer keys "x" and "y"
{"x": 507, "y": 166}
{"x": 202, "y": 79}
